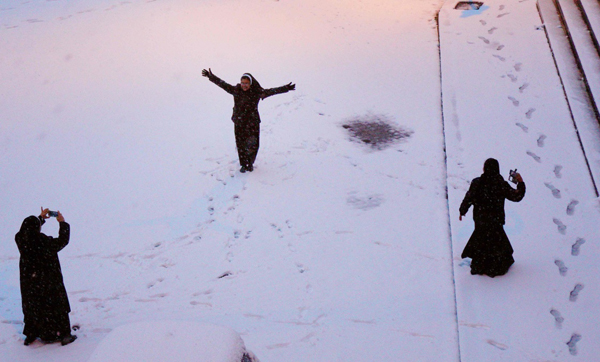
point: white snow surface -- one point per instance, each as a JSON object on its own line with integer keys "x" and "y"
{"x": 329, "y": 250}
{"x": 170, "y": 341}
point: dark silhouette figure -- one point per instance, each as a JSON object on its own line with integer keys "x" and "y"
{"x": 489, "y": 247}
{"x": 246, "y": 119}
{"x": 44, "y": 298}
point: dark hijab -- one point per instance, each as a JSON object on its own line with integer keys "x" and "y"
{"x": 491, "y": 167}
{"x": 30, "y": 231}
{"x": 254, "y": 84}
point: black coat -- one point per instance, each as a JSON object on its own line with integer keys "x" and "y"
{"x": 487, "y": 194}
{"x": 245, "y": 108}
{"x": 42, "y": 289}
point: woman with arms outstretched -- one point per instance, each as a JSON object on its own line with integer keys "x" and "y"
{"x": 246, "y": 119}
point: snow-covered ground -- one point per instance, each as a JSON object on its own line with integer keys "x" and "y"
{"x": 329, "y": 250}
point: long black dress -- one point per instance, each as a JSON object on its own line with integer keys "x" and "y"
{"x": 44, "y": 297}
{"x": 489, "y": 247}
{"x": 245, "y": 116}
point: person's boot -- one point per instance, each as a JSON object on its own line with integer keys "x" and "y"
{"x": 243, "y": 169}
{"x": 68, "y": 339}
{"x": 29, "y": 340}
{"x": 250, "y": 168}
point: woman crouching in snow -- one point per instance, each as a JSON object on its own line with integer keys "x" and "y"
{"x": 246, "y": 119}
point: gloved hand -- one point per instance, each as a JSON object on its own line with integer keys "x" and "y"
{"x": 290, "y": 86}
{"x": 207, "y": 73}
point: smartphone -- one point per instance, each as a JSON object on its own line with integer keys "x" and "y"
{"x": 53, "y": 213}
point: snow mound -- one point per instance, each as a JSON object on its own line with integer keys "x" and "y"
{"x": 171, "y": 341}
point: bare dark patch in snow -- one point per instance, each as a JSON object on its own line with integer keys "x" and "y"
{"x": 375, "y": 130}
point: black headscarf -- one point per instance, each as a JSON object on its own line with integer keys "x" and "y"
{"x": 30, "y": 230}
{"x": 254, "y": 84}
{"x": 491, "y": 167}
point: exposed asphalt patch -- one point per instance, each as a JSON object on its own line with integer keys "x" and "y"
{"x": 375, "y": 130}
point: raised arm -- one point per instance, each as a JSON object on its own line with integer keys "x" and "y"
{"x": 221, "y": 83}
{"x": 64, "y": 232}
{"x": 518, "y": 194}
{"x": 272, "y": 91}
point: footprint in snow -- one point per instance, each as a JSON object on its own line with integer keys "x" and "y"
{"x": 501, "y": 7}
{"x": 562, "y": 228}
{"x": 498, "y": 345}
{"x": 225, "y": 275}
{"x": 483, "y": 22}
{"x": 152, "y": 284}
{"x": 502, "y": 15}
{"x": 301, "y": 268}
{"x": 557, "y": 171}
{"x": 518, "y": 67}
{"x": 537, "y": 158}
{"x": 575, "y": 292}
{"x": 562, "y": 268}
{"x": 523, "y": 87}
{"x": 502, "y": 59}
{"x": 484, "y": 40}
{"x": 571, "y": 207}
{"x": 514, "y": 101}
{"x": 555, "y": 191}
{"x": 523, "y": 127}
{"x": 491, "y": 31}
{"x": 513, "y": 77}
{"x": 573, "y": 343}
{"x": 575, "y": 247}
{"x": 540, "y": 140}
{"x": 558, "y": 318}
{"x": 529, "y": 113}
{"x": 500, "y": 47}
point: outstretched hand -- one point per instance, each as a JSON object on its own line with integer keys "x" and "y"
{"x": 207, "y": 73}
{"x": 290, "y": 86}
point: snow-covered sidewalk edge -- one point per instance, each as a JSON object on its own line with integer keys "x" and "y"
{"x": 578, "y": 98}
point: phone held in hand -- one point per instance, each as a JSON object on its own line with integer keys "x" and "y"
{"x": 511, "y": 176}
{"x": 53, "y": 213}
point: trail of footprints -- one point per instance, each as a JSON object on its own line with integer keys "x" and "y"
{"x": 556, "y": 193}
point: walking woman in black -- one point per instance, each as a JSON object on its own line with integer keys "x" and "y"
{"x": 489, "y": 247}
{"x": 43, "y": 296}
{"x": 246, "y": 119}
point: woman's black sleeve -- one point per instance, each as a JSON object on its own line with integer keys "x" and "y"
{"x": 469, "y": 198}
{"x": 517, "y": 194}
{"x": 272, "y": 91}
{"x": 64, "y": 232}
{"x": 221, "y": 83}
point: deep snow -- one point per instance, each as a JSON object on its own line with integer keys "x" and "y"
{"x": 328, "y": 251}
